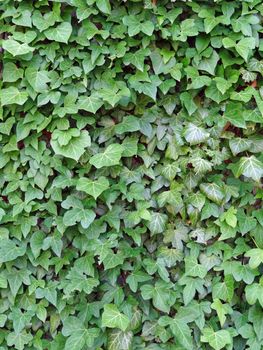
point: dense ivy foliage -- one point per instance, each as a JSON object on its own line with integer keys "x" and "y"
{"x": 131, "y": 165}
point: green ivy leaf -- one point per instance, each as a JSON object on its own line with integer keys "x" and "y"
{"x": 37, "y": 79}
{"x": 119, "y": 340}
{"x": 113, "y": 318}
{"x": 244, "y": 47}
{"x": 192, "y": 268}
{"x": 256, "y": 257}
{"x": 93, "y": 187}
{"x": 18, "y": 340}
{"x": 104, "y": 6}
{"x": 17, "y": 49}
{"x": 12, "y": 95}
{"x": 213, "y": 192}
{"x": 90, "y": 103}
{"x": 250, "y": 167}
{"x": 157, "y": 223}
{"x": 111, "y": 156}
{"x": 75, "y": 148}
{"x": 10, "y": 250}
{"x": 194, "y": 134}
{"x": 60, "y": 33}
{"x": 217, "y": 340}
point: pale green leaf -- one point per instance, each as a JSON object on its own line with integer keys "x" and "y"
{"x": 60, "y": 33}
{"x": 250, "y": 167}
{"x": 113, "y": 318}
{"x": 217, "y": 340}
{"x": 15, "y": 48}
{"x": 12, "y": 95}
{"x": 93, "y": 187}
{"x": 111, "y": 156}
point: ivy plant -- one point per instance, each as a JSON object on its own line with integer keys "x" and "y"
{"x": 131, "y": 175}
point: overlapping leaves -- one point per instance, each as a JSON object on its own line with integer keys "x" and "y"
{"x": 131, "y": 168}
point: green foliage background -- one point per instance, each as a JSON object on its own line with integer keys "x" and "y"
{"x": 131, "y": 161}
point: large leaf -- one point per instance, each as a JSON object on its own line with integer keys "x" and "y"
{"x": 60, "y": 33}
{"x": 17, "y": 49}
{"x": 12, "y": 95}
{"x": 194, "y": 134}
{"x": 93, "y": 187}
{"x": 213, "y": 192}
{"x": 250, "y": 167}
{"x": 217, "y": 340}
{"x": 37, "y": 79}
{"x": 238, "y": 145}
{"x": 90, "y": 103}
{"x": 182, "y": 334}
{"x": 157, "y": 223}
{"x": 75, "y": 148}
{"x": 111, "y": 156}
{"x": 256, "y": 257}
{"x": 113, "y": 318}
{"x": 119, "y": 340}
{"x": 10, "y": 250}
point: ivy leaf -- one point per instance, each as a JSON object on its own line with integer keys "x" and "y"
{"x": 230, "y": 217}
{"x": 49, "y": 293}
{"x": 157, "y": 223}
{"x": 213, "y": 192}
{"x": 194, "y": 134}
{"x": 17, "y": 49}
{"x": 217, "y": 340}
{"x": 250, "y": 167}
{"x": 188, "y": 102}
{"x": 224, "y": 290}
{"x": 18, "y": 340}
{"x": 256, "y": 257}
{"x": 60, "y": 33}
{"x": 84, "y": 216}
{"x": 245, "y": 223}
{"x": 90, "y": 103}
{"x": 12, "y": 95}
{"x": 210, "y": 23}
{"x": 104, "y": 6}
{"x": 192, "y": 268}
{"x": 113, "y": 318}
{"x": 254, "y": 292}
{"x": 20, "y": 319}
{"x": 111, "y": 156}
{"x": 238, "y": 145}
{"x": 93, "y": 187}
{"x": 182, "y": 333}
{"x": 11, "y": 72}
{"x": 234, "y": 114}
{"x": 129, "y": 124}
{"x": 244, "y": 47}
{"x": 222, "y": 84}
{"x": 119, "y": 340}
{"x": 76, "y": 340}
{"x": 221, "y": 309}
{"x": 136, "y": 59}
{"x": 9, "y": 250}
{"x": 75, "y": 148}
{"x": 209, "y": 64}
{"x": 37, "y": 79}
{"x": 161, "y": 294}
{"x": 78, "y": 334}
{"x": 255, "y": 316}
{"x": 136, "y": 277}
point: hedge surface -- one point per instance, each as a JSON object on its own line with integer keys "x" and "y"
{"x": 131, "y": 160}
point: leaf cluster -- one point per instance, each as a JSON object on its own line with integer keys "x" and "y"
{"x": 131, "y": 164}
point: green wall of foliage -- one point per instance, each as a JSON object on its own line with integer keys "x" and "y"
{"x": 131, "y": 165}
